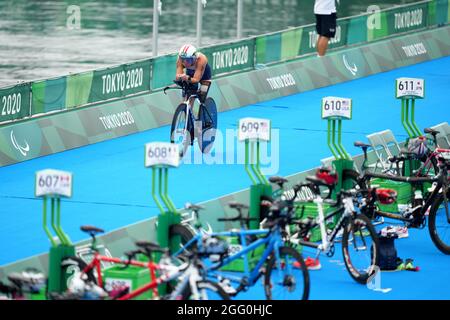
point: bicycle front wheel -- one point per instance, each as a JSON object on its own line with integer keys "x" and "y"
{"x": 182, "y": 235}
{"x": 286, "y": 278}
{"x": 438, "y": 224}
{"x": 180, "y": 132}
{"x": 360, "y": 248}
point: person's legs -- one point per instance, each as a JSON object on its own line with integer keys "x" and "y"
{"x": 322, "y": 45}
{"x": 326, "y": 29}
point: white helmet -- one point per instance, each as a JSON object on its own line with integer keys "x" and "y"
{"x": 187, "y": 53}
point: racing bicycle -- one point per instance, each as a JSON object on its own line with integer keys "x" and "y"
{"x": 185, "y": 126}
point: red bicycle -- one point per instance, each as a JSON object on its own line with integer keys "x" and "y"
{"x": 86, "y": 282}
{"x": 90, "y": 274}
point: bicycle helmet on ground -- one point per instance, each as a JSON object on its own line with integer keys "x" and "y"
{"x": 386, "y": 196}
{"x": 327, "y": 175}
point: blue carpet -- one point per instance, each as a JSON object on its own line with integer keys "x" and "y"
{"x": 113, "y": 189}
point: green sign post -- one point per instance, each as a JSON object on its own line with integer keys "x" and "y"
{"x": 335, "y": 110}
{"x": 54, "y": 184}
{"x": 408, "y": 90}
{"x": 159, "y": 156}
{"x": 252, "y": 131}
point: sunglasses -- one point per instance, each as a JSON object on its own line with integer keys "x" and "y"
{"x": 188, "y": 60}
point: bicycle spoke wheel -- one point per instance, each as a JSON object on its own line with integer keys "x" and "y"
{"x": 179, "y": 132}
{"x": 438, "y": 225}
{"x": 360, "y": 248}
{"x": 208, "y": 116}
{"x": 286, "y": 278}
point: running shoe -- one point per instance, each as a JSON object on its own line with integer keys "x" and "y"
{"x": 407, "y": 265}
{"x": 311, "y": 264}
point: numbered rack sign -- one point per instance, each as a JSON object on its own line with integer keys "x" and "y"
{"x": 51, "y": 182}
{"x": 409, "y": 87}
{"x": 161, "y": 154}
{"x": 254, "y": 129}
{"x": 334, "y": 107}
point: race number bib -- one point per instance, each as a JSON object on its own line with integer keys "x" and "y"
{"x": 409, "y": 87}
{"x": 334, "y": 107}
{"x": 51, "y": 182}
{"x": 254, "y": 129}
{"x": 161, "y": 154}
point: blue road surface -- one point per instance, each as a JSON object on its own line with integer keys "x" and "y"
{"x": 112, "y": 188}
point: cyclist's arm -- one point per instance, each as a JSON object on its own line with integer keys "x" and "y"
{"x": 180, "y": 70}
{"x": 199, "y": 70}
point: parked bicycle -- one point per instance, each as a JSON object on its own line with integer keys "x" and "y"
{"x": 282, "y": 280}
{"x": 185, "y": 126}
{"x": 85, "y": 281}
{"x": 359, "y": 239}
{"x": 433, "y": 203}
{"x": 22, "y": 285}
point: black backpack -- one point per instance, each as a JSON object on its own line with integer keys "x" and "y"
{"x": 388, "y": 253}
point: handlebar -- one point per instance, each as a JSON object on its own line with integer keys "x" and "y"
{"x": 179, "y": 84}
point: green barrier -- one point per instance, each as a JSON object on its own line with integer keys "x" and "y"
{"x": 120, "y": 81}
{"x": 357, "y": 30}
{"x": 399, "y": 20}
{"x": 237, "y": 56}
{"x": 78, "y": 89}
{"x": 132, "y": 276}
{"x": 164, "y": 70}
{"x": 439, "y": 12}
{"x": 15, "y": 102}
{"x": 268, "y": 48}
{"x": 48, "y": 95}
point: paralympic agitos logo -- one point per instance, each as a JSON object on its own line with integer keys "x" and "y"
{"x": 23, "y": 148}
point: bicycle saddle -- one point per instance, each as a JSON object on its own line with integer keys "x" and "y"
{"x": 20, "y": 280}
{"x": 91, "y": 230}
{"x": 431, "y": 131}
{"x": 193, "y": 207}
{"x": 237, "y": 205}
{"x": 147, "y": 245}
{"x": 361, "y": 144}
{"x": 278, "y": 180}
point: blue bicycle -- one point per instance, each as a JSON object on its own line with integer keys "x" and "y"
{"x": 285, "y": 273}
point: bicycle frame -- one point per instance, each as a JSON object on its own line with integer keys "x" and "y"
{"x": 433, "y": 155}
{"x": 366, "y": 176}
{"x": 327, "y": 240}
{"x": 273, "y": 241}
{"x": 95, "y": 264}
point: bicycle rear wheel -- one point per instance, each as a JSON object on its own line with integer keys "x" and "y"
{"x": 184, "y": 234}
{"x": 180, "y": 133}
{"x": 207, "y": 114}
{"x": 360, "y": 248}
{"x": 438, "y": 225}
{"x": 286, "y": 278}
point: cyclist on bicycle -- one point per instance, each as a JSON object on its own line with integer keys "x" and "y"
{"x": 193, "y": 67}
